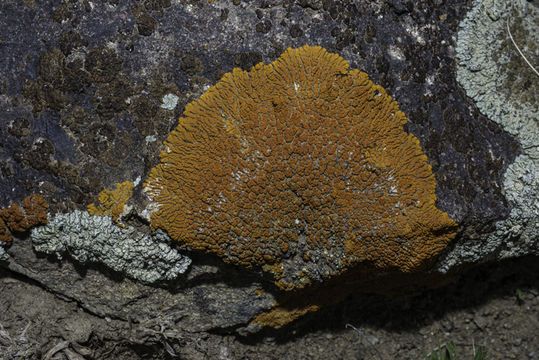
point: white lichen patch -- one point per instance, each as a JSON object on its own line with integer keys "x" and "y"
{"x": 3, "y": 254}
{"x": 170, "y": 101}
{"x": 150, "y": 139}
{"x": 88, "y": 238}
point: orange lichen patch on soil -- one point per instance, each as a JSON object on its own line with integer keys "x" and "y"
{"x": 301, "y": 167}
{"x": 112, "y": 202}
{"x": 15, "y": 218}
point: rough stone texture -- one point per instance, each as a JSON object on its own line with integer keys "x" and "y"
{"x": 480, "y": 310}
{"x": 210, "y": 296}
{"x": 80, "y": 102}
{"x": 87, "y": 238}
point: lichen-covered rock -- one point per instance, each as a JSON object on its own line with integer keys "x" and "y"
{"x": 495, "y": 75}
{"x": 86, "y": 100}
{"x": 88, "y": 238}
{"x": 19, "y": 219}
{"x": 5, "y": 234}
{"x": 300, "y": 167}
{"x": 112, "y": 202}
{"x": 490, "y": 68}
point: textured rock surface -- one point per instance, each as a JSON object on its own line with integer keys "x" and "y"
{"x": 479, "y": 310}
{"x": 89, "y": 90}
{"x": 209, "y": 297}
{"x": 504, "y": 88}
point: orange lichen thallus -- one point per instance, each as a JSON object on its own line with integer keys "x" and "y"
{"x": 302, "y": 168}
{"x": 15, "y": 218}
{"x": 112, "y": 202}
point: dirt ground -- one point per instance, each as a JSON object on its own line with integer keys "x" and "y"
{"x": 495, "y": 306}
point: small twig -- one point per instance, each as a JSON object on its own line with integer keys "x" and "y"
{"x": 169, "y": 349}
{"x": 58, "y": 347}
{"x": 4, "y": 333}
{"x": 363, "y": 335}
{"x": 23, "y": 333}
{"x": 518, "y": 49}
{"x": 72, "y": 355}
{"x": 435, "y": 350}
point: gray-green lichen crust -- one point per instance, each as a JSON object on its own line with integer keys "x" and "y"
{"x": 3, "y": 253}
{"x": 88, "y": 238}
{"x": 504, "y": 88}
{"x": 490, "y": 68}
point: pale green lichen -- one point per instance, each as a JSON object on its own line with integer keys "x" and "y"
{"x": 494, "y": 74}
{"x": 169, "y": 101}
{"x": 490, "y": 68}
{"x": 3, "y": 254}
{"x": 88, "y": 238}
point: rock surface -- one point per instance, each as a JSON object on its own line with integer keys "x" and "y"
{"x": 89, "y": 90}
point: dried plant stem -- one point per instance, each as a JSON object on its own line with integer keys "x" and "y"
{"x": 518, "y": 49}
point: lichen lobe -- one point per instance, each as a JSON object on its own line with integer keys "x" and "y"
{"x": 300, "y": 167}
{"x": 113, "y": 202}
{"x": 97, "y": 239}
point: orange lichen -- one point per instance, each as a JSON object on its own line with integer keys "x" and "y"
{"x": 5, "y": 234}
{"x": 294, "y": 304}
{"x": 300, "y": 167}
{"x": 35, "y": 209}
{"x": 278, "y": 316}
{"x": 15, "y": 218}
{"x": 112, "y": 202}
